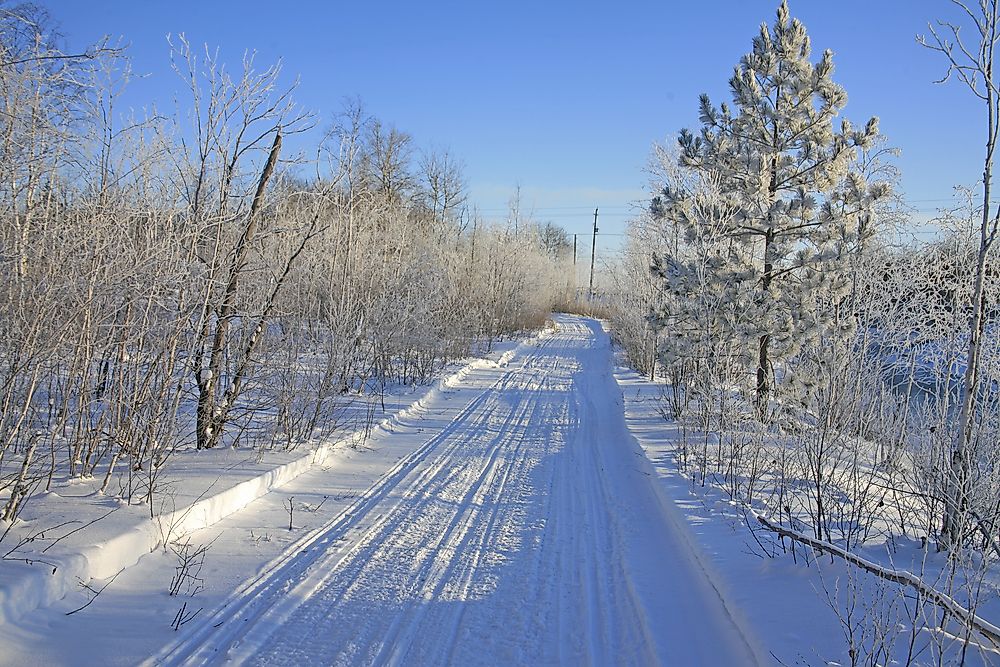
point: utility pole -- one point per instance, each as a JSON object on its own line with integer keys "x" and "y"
{"x": 574, "y": 248}
{"x": 593, "y": 253}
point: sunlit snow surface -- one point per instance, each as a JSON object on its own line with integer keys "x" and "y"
{"x": 514, "y": 521}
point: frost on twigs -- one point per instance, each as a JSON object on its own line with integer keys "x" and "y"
{"x": 819, "y": 365}
{"x": 771, "y": 205}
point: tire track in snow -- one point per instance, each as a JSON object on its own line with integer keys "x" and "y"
{"x": 457, "y": 574}
{"x": 257, "y": 596}
{"x": 470, "y": 565}
{"x": 521, "y": 533}
{"x": 455, "y": 539}
{"x": 394, "y": 559}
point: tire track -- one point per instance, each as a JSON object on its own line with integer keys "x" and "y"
{"x": 253, "y": 599}
{"x": 453, "y": 467}
{"x": 520, "y": 533}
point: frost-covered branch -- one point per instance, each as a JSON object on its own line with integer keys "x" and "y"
{"x": 989, "y": 631}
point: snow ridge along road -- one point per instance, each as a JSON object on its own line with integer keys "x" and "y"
{"x": 528, "y": 530}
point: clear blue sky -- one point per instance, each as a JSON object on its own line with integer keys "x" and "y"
{"x": 563, "y": 98}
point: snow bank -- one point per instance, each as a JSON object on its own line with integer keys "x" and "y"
{"x": 42, "y": 579}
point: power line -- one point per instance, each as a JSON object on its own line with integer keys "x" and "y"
{"x": 593, "y": 254}
{"x": 555, "y": 208}
{"x": 539, "y": 213}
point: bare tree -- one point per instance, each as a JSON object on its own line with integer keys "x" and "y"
{"x": 443, "y": 183}
{"x": 390, "y": 151}
{"x": 233, "y": 118}
{"x": 162, "y": 279}
{"x": 972, "y": 63}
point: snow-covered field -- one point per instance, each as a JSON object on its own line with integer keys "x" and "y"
{"x": 509, "y": 518}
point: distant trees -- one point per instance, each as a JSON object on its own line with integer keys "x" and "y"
{"x": 389, "y": 158}
{"x": 554, "y": 239}
{"x": 442, "y": 184}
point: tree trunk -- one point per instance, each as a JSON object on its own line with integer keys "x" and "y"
{"x": 213, "y": 410}
{"x": 763, "y": 349}
{"x": 957, "y": 506}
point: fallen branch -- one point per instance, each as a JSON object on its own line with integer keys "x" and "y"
{"x": 95, "y": 592}
{"x": 989, "y": 631}
{"x": 183, "y": 616}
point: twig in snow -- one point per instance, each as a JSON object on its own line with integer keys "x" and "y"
{"x": 96, "y": 593}
{"x": 753, "y": 532}
{"x": 79, "y": 528}
{"x": 183, "y": 617}
{"x": 987, "y": 534}
{"x": 40, "y": 535}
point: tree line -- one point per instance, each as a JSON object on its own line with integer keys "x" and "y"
{"x": 184, "y": 280}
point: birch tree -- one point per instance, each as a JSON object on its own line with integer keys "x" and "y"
{"x": 972, "y": 64}
{"x": 161, "y": 278}
{"x": 234, "y": 119}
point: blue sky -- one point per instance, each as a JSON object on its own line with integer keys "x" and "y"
{"x": 562, "y": 98}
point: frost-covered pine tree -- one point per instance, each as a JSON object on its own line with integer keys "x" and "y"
{"x": 783, "y": 165}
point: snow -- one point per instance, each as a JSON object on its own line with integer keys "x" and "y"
{"x": 526, "y": 509}
{"x": 508, "y": 517}
{"x": 521, "y": 532}
{"x": 787, "y": 601}
{"x": 204, "y": 487}
{"x": 778, "y": 602}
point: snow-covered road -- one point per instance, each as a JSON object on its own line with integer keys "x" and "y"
{"x": 524, "y": 530}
